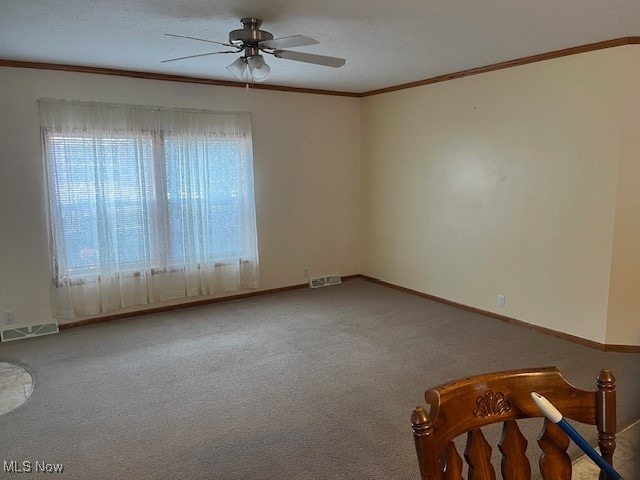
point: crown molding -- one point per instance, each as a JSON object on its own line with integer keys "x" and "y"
{"x": 618, "y": 42}
{"x": 165, "y": 77}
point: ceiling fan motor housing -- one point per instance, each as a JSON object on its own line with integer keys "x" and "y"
{"x": 250, "y": 35}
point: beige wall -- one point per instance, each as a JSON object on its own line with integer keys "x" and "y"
{"x": 623, "y": 326}
{"x": 307, "y": 176}
{"x": 521, "y": 182}
{"x": 506, "y": 183}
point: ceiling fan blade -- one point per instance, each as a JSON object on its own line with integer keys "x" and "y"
{"x": 310, "y": 58}
{"x": 199, "y": 39}
{"x": 288, "y": 42}
{"x": 199, "y": 55}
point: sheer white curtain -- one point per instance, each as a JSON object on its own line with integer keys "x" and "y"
{"x": 146, "y": 204}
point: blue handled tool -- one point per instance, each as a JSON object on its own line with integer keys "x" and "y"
{"x": 555, "y": 416}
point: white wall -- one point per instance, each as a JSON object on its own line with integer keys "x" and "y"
{"x": 505, "y": 183}
{"x": 306, "y": 161}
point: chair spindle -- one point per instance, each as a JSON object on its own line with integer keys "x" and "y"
{"x": 515, "y": 464}
{"x": 554, "y": 461}
{"x": 478, "y": 455}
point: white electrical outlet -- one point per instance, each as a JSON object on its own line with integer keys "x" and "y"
{"x": 9, "y": 317}
{"x": 501, "y": 301}
{"x": 306, "y": 272}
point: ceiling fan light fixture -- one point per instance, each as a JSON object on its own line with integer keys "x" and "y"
{"x": 258, "y": 68}
{"x": 239, "y": 68}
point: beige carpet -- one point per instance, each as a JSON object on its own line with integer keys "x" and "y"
{"x": 305, "y": 384}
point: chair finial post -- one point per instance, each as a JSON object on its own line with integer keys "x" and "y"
{"x": 422, "y": 427}
{"x": 421, "y": 422}
{"x": 606, "y": 415}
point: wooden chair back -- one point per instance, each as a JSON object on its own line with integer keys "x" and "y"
{"x": 467, "y": 405}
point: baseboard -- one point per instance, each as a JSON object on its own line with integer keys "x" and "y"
{"x": 197, "y": 303}
{"x": 513, "y": 321}
{"x": 503, "y": 318}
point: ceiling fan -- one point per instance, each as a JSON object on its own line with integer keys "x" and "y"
{"x": 250, "y": 41}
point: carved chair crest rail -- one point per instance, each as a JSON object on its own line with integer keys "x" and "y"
{"x": 467, "y": 405}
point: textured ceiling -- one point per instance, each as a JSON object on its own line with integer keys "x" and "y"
{"x": 386, "y": 43}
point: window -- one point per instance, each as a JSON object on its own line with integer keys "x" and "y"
{"x": 79, "y": 197}
{"x": 147, "y": 204}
